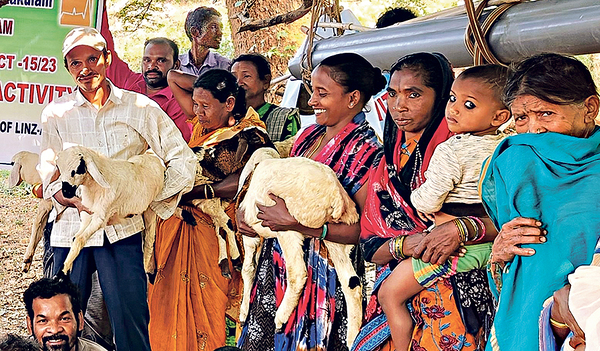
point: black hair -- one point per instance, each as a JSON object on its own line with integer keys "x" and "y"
{"x": 427, "y": 66}
{"x": 227, "y": 348}
{"x": 12, "y": 342}
{"x": 161, "y": 40}
{"x": 393, "y": 16}
{"x": 354, "y": 72}
{"x": 554, "y": 78}
{"x": 47, "y": 288}
{"x": 495, "y": 76}
{"x": 104, "y": 53}
{"x": 436, "y": 73}
{"x": 222, "y": 84}
{"x": 262, "y": 65}
{"x": 199, "y": 17}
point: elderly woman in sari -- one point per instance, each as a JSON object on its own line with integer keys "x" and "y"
{"x": 190, "y": 298}
{"x": 342, "y": 139}
{"x": 542, "y": 187}
{"x": 453, "y": 313}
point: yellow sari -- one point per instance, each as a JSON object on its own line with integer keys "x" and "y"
{"x": 190, "y": 298}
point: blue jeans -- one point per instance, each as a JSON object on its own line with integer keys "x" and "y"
{"x": 124, "y": 285}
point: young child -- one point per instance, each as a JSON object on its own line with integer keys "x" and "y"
{"x": 474, "y": 112}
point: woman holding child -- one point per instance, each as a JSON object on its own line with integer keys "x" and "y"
{"x": 541, "y": 187}
{"x": 342, "y": 139}
{"x": 190, "y": 297}
{"x": 451, "y": 313}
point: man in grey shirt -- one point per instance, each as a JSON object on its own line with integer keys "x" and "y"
{"x": 203, "y": 27}
{"x": 55, "y": 316}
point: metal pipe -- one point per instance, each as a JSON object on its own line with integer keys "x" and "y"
{"x": 568, "y": 27}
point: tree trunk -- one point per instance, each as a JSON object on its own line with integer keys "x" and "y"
{"x": 278, "y": 43}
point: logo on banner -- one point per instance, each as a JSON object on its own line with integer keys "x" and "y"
{"x": 76, "y": 13}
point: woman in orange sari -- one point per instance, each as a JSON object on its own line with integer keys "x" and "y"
{"x": 190, "y": 299}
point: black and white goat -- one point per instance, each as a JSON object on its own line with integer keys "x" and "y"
{"x": 313, "y": 196}
{"x": 112, "y": 190}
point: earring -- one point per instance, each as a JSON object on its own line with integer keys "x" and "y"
{"x": 351, "y": 105}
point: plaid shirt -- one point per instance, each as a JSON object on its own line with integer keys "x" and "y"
{"x": 125, "y": 126}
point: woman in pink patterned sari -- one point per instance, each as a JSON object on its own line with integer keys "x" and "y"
{"x": 343, "y": 140}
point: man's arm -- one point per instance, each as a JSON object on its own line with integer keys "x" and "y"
{"x": 118, "y": 71}
{"x": 182, "y": 86}
{"x": 166, "y": 141}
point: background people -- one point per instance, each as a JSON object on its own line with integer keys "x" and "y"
{"x": 13, "y": 342}
{"x": 203, "y": 28}
{"x": 393, "y": 16}
{"x": 160, "y": 56}
{"x": 253, "y": 73}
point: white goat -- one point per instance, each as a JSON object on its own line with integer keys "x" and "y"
{"x": 112, "y": 190}
{"x": 215, "y": 209}
{"x": 313, "y": 196}
{"x": 215, "y": 163}
{"x": 24, "y": 164}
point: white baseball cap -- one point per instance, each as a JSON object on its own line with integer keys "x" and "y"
{"x": 87, "y": 36}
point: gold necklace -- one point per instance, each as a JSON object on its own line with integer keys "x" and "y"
{"x": 310, "y": 155}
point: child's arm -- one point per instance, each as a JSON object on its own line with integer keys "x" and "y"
{"x": 443, "y": 174}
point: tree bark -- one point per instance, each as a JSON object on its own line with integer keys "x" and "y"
{"x": 276, "y": 42}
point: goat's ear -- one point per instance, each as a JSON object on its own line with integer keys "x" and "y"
{"x": 15, "y": 175}
{"x": 95, "y": 172}
{"x": 241, "y": 150}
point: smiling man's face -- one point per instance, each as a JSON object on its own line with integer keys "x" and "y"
{"x": 54, "y": 324}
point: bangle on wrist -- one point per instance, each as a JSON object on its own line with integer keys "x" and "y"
{"x": 324, "y": 233}
{"x": 396, "y": 247}
{"x": 558, "y": 324}
{"x": 462, "y": 230}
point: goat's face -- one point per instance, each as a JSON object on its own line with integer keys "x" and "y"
{"x": 73, "y": 171}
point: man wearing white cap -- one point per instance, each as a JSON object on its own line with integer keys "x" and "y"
{"x": 119, "y": 124}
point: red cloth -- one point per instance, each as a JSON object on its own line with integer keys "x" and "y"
{"x": 372, "y": 223}
{"x": 123, "y": 77}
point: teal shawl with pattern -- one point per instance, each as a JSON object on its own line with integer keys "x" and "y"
{"x": 554, "y": 178}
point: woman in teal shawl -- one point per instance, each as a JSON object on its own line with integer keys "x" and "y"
{"x": 542, "y": 186}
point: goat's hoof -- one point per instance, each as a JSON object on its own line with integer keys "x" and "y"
{"x": 237, "y": 264}
{"x": 26, "y": 265}
{"x": 225, "y": 271}
{"x": 188, "y": 218}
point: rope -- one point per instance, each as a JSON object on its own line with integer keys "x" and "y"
{"x": 475, "y": 34}
{"x": 319, "y": 8}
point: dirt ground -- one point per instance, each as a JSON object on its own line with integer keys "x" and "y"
{"x": 17, "y": 210}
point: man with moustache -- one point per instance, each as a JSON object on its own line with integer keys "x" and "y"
{"x": 54, "y": 316}
{"x": 160, "y": 55}
{"x": 203, "y": 28}
{"x": 118, "y": 124}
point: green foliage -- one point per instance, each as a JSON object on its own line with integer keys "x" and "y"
{"x": 139, "y": 14}
{"x": 23, "y": 190}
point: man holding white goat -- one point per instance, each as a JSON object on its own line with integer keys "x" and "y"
{"x": 118, "y": 124}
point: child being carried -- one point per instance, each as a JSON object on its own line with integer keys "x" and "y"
{"x": 474, "y": 112}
